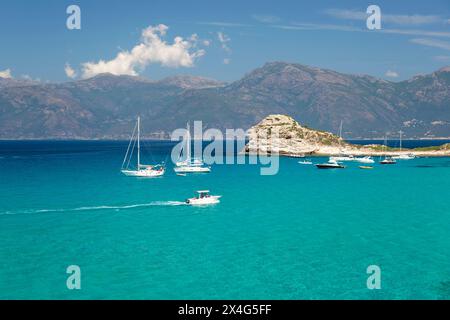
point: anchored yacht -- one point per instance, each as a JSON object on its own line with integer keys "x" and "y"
{"x": 189, "y": 164}
{"x": 141, "y": 170}
{"x": 331, "y": 164}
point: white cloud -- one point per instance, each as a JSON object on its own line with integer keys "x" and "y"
{"x": 223, "y": 24}
{"x": 226, "y": 61}
{"x": 400, "y": 19}
{"x": 6, "y": 74}
{"x": 391, "y": 74}
{"x": 224, "y": 40}
{"x": 151, "y": 49}
{"x": 432, "y": 43}
{"x": 335, "y": 27}
{"x": 206, "y": 43}
{"x": 265, "y": 18}
{"x": 442, "y": 58}
{"x": 70, "y": 73}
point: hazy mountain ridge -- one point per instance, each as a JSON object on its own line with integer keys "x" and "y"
{"x": 106, "y": 106}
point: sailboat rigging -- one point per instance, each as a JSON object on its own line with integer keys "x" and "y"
{"x": 190, "y": 164}
{"x": 141, "y": 170}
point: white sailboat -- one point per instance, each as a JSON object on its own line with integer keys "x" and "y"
{"x": 387, "y": 159}
{"x": 342, "y": 156}
{"x": 141, "y": 170}
{"x": 403, "y": 156}
{"x": 189, "y": 164}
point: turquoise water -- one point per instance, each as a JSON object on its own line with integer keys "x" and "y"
{"x": 301, "y": 234}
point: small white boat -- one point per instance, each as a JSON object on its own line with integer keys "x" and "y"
{"x": 367, "y": 159}
{"x": 203, "y": 198}
{"x": 388, "y": 160}
{"x": 306, "y": 161}
{"x": 343, "y": 158}
{"x": 141, "y": 170}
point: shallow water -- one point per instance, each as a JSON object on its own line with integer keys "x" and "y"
{"x": 301, "y": 234}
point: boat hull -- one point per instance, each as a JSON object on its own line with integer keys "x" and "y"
{"x": 203, "y": 201}
{"x": 329, "y": 166}
{"x": 143, "y": 173}
{"x": 192, "y": 169}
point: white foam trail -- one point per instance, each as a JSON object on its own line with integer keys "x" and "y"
{"x": 96, "y": 208}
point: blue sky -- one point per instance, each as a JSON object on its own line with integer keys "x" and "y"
{"x": 232, "y": 37}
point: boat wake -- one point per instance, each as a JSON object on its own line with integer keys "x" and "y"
{"x": 98, "y": 208}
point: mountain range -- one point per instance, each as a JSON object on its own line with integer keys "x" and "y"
{"x": 106, "y": 106}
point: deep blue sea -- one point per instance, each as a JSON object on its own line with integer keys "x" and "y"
{"x": 301, "y": 234}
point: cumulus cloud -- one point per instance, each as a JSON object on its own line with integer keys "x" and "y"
{"x": 151, "y": 49}
{"x": 70, "y": 72}
{"x": 6, "y": 74}
{"x": 391, "y": 74}
{"x": 224, "y": 40}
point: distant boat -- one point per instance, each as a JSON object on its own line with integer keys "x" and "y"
{"x": 366, "y": 167}
{"x": 367, "y": 159}
{"x": 403, "y": 156}
{"x": 189, "y": 164}
{"x": 141, "y": 170}
{"x": 343, "y": 158}
{"x": 203, "y": 198}
{"x": 331, "y": 164}
{"x": 306, "y": 161}
{"x": 387, "y": 159}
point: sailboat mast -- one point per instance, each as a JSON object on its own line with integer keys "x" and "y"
{"x": 188, "y": 142}
{"x": 401, "y": 132}
{"x": 139, "y": 144}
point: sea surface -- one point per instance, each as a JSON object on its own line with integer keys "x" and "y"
{"x": 303, "y": 233}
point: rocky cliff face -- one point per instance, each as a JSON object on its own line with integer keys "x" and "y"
{"x": 106, "y": 106}
{"x": 282, "y": 135}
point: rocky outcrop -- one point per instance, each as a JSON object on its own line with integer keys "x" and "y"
{"x": 281, "y": 134}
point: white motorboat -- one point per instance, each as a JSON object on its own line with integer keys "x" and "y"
{"x": 343, "y": 158}
{"x": 141, "y": 170}
{"x": 203, "y": 198}
{"x": 190, "y": 164}
{"x": 306, "y": 161}
{"x": 367, "y": 159}
{"x": 331, "y": 164}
